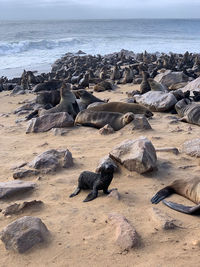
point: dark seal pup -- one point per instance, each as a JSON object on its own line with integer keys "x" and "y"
{"x": 186, "y": 188}
{"x": 95, "y": 181}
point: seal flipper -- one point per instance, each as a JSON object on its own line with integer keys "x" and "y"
{"x": 92, "y": 195}
{"x": 163, "y": 193}
{"x": 195, "y": 210}
{"x": 76, "y": 192}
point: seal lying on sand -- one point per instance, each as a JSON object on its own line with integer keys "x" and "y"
{"x": 99, "y": 119}
{"x": 123, "y": 108}
{"x": 186, "y": 188}
{"x": 95, "y": 181}
{"x": 189, "y": 111}
{"x": 67, "y": 102}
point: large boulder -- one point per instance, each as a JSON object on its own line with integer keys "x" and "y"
{"x": 157, "y": 100}
{"x": 51, "y": 160}
{"x": 9, "y": 189}
{"x": 24, "y": 233}
{"x": 49, "y": 121}
{"x": 136, "y": 155}
{"x": 192, "y": 147}
{"x": 192, "y": 86}
{"x": 171, "y": 77}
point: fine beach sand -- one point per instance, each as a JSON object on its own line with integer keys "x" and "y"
{"x": 80, "y": 232}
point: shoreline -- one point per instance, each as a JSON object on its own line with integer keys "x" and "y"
{"x": 11, "y": 73}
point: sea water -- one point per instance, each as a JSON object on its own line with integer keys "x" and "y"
{"x": 35, "y": 45}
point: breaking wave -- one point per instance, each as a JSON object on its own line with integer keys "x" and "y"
{"x": 23, "y": 46}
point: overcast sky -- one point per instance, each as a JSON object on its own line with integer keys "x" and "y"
{"x": 97, "y": 9}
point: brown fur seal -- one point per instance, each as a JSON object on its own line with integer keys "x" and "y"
{"x": 123, "y": 108}
{"x": 186, "y": 188}
{"x": 47, "y": 86}
{"x": 48, "y": 97}
{"x": 67, "y": 102}
{"x": 128, "y": 76}
{"x": 155, "y": 86}
{"x": 189, "y": 111}
{"x": 144, "y": 86}
{"x": 99, "y": 119}
{"x": 103, "y": 86}
{"x": 86, "y": 97}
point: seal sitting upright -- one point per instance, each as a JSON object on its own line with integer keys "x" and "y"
{"x": 95, "y": 181}
{"x": 67, "y": 102}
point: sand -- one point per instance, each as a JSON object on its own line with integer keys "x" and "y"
{"x": 80, "y": 232}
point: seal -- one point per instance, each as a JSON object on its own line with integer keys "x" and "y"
{"x": 95, "y": 181}
{"x": 47, "y": 86}
{"x": 123, "y": 108}
{"x": 99, "y": 119}
{"x": 87, "y": 98}
{"x": 67, "y": 102}
{"x": 128, "y": 76}
{"x": 189, "y": 189}
{"x": 155, "y": 86}
{"x": 103, "y": 86}
{"x": 48, "y": 97}
{"x": 144, "y": 86}
{"x": 189, "y": 111}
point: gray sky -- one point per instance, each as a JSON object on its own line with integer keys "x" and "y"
{"x": 97, "y": 9}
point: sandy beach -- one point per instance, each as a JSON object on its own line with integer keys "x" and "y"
{"x": 81, "y": 234}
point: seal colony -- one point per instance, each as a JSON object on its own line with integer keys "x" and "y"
{"x": 88, "y": 146}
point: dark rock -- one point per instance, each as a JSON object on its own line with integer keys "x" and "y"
{"x": 19, "y": 207}
{"x": 49, "y": 121}
{"x": 22, "y": 173}
{"x": 8, "y": 189}
{"x": 24, "y": 233}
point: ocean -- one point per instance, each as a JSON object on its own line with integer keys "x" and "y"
{"x": 35, "y": 45}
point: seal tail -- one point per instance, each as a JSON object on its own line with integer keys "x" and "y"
{"x": 195, "y": 210}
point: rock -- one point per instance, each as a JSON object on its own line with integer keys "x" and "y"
{"x": 68, "y": 160}
{"x": 163, "y": 220}
{"x": 60, "y": 131}
{"x": 177, "y": 86}
{"x": 196, "y": 243}
{"x": 18, "y": 90}
{"x": 192, "y": 86}
{"x": 24, "y": 233}
{"x": 28, "y": 107}
{"x": 22, "y": 173}
{"x": 107, "y": 129}
{"x": 140, "y": 122}
{"x": 126, "y": 235}
{"x": 192, "y": 147}
{"x": 8, "y": 189}
{"x": 157, "y": 100}
{"x": 106, "y": 160}
{"x": 49, "y": 121}
{"x": 18, "y": 207}
{"x": 114, "y": 194}
{"x": 52, "y": 159}
{"x": 169, "y": 77}
{"x": 136, "y": 155}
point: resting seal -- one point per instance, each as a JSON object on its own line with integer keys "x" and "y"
{"x": 95, "y": 181}
{"x": 87, "y": 98}
{"x": 99, "y": 119}
{"x": 123, "y": 108}
{"x": 67, "y": 102}
{"x": 186, "y": 188}
{"x": 189, "y": 111}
